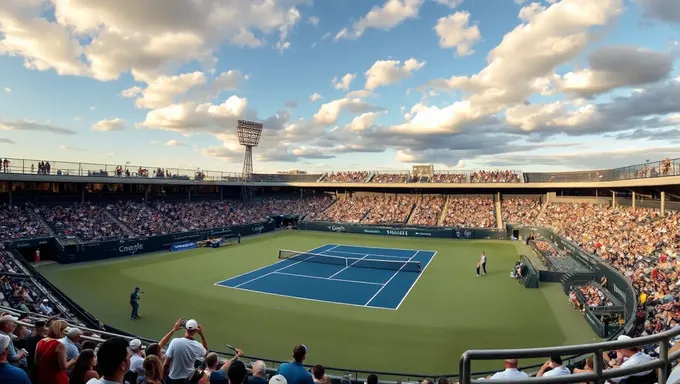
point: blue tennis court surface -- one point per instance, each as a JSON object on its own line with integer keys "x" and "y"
{"x": 342, "y": 274}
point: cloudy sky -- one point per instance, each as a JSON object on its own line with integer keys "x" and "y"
{"x": 342, "y": 84}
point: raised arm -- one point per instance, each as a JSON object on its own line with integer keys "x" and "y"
{"x": 167, "y": 337}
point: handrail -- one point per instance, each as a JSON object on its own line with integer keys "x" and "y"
{"x": 596, "y": 348}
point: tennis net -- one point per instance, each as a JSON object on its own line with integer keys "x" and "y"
{"x": 354, "y": 262}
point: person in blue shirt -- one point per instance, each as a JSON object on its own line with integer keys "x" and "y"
{"x": 10, "y": 374}
{"x": 134, "y": 303}
{"x": 294, "y": 372}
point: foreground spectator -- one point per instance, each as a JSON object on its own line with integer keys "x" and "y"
{"x": 137, "y": 359}
{"x": 259, "y": 373}
{"x": 39, "y": 332}
{"x": 113, "y": 359}
{"x": 553, "y": 367}
{"x": 84, "y": 369}
{"x": 317, "y": 373}
{"x": 153, "y": 370}
{"x": 631, "y": 356}
{"x": 7, "y": 327}
{"x": 219, "y": 376}
{"x": 183, "y": 353}
{"x": 294, "y": 372}
{"x": 511, "y": 372}
{"x": 71, "y": 342}
{"x": 50, "y": 356}
{"x": 8, "y": 373}
{"x": 237, "y": 372}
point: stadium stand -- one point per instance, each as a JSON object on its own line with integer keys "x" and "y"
{"x": 346, "y": 177}
{"x": 285, "y": 178}
{"x": 448, "y": 178}
{"x": 18, "y": 222}
{"x": 519, "y": 210}
{"x": 500, "y": 176}
{"x": 470, "y": 212}
{"x": 428, "y": 210}
{"x": 394, "y": 178}
{"x": 82, "y": 221}
{"x": 390, "y": 210}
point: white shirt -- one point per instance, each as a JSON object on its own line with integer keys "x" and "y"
{"x": 636, "y": 359}
{"x": 137, "y": 365}
{"x": 183, "y": 352}
{"x": 483, "y": 259}
{"x": 558, "y": 371}
{"x": 509, "y": 374}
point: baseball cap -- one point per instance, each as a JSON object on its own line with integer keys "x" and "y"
{"x": 623, "y": 338}
{"x": 278, "y": 379}
{"x": 45, "y": 301}
{"x": 8, "y": 318}
{"x": 191, "y": 325}
{"x": 4, "y": 342}
{"x": 135, "y": 344}
{"x": 73, "y": 332}
{"x": 237, "y": 372}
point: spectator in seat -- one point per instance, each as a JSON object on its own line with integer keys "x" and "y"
{"x": 553, "y": 367}
{"x": 84, "y": 369}
{"x": 372, "y": 379}
{"x": 50, "y": 356}
{"x": 219, "y": 376}
{"x": 317, "y": 373}
{"x": 71, "y": 341}
{"x": 631, "y": 356}
{"x": 153, "y": 370}
{"x": 137, "y": 359}
{"x": 511, "y": 372}
{"x": 8, "y": 373}
{"x": 277, "y": 379}
{"x": 155, "y": 350}
{"x": 294, "y": 372}
{"x": 443, "y": 380}
{"x": 259, "y": 372}
{"x": 237, "y": 372}
{"x": 45, "y": 308}
{"x": 183, "y": 353}
{"x": 113, "y": 358}
{"x": 7, "y": 326}
{"x": 38, "y": 334}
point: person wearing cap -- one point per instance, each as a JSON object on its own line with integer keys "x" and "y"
{"x": 7, "y": 326}
{"x": 278, "y": 379}
{"x": 630, "y": 356}
{"x": 71, "y": 342}
{"x": 183, "y": 352}
{"x": 137, "y": 359}
{"x": 295, "y": 372}
{"x": 45, "y": 308}
{"x": 553, "y": 367}
{"x": 134, "y": 303}
{"x": 8, "y": 373}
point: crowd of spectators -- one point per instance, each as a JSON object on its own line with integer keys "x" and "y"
{"x": 470, "y": 212}
{"x": 84, "y": 221}
{"x": 428, "y": 210}
{"x": 390, "y": 178}
{"x": 348, "y": 210}
{"x": 144, "y": 220}
{"x": 448, "y": 178}
{"x": 347, "y": 177}
{"x": 16, "y": 222}
{"x": 501, "y": 176}
{"x": 594, "y": 297}
{"x": 520, "y": 210}
{"x": 390, "y": 210}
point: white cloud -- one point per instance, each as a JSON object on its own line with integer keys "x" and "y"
{"x": 450, "y": 3}
{"x": 343, "y": 83}
{"x": 385, "y": 17}
{"x": 8, "y": 90}
{"x": 282, "y": 46}
{"x": 386, "y": 72}
{"x": 313, "y": 20}
{"x": 175, "y": 143}
{"x": 71, "y": 149}
{"x": 454, "y": 31}
{"x": 363, "y": 121}
{"x": 314, "y": 97}
{"x": 162, "y": 90}
{"x": 116, "y": 124}
{"x": 329, "y": 112}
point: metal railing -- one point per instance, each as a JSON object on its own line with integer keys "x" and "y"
{"x": 599, "y": 374}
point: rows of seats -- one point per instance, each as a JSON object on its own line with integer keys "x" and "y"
{"x": 428, "y": 210}
{"x": 390, "y": 210}
{"x": 470, "y": 212}
{"x": 390, "y": 178}
{"x": 82, "y": 221}
{"x": 520, "y": 210}
{"x": 17, "y": 222}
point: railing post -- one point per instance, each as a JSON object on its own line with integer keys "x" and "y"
{"x": 598, "y": 364}
{"x": 663, "y": 356}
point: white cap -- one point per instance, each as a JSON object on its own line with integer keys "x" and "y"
{"x": 45, "y": 301}
{"x": 73, "y": 332}
{"x": 4, "y": 342}
{"x": 624, "y": 338}
{"x": 191, "y": 325}
{"x": 135, "y": 344}
{"x": 278, "y": 379}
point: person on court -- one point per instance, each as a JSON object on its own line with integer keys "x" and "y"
{"x": 483, "y": 262}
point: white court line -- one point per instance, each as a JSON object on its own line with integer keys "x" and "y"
{"x": 371, "y": 254}
{"x": 390, "y": 279}
{"x": 303, "y": 298}
{"x": 326, "y": 278}
{"x": 338, "y": 272}
{"x": 394, "y": 249}
{"x": 414, "y": 283}
{"x": 267, "y": 274}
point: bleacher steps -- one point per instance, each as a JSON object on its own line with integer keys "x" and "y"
{"x": 442, "y": 215}
{"x": 413, "y": 209}
{"x": 322, "y": 177}
{"x": 370, "y": 177}
{"x": 498, "y": 211}
{"x": 127, "y": 229}
{"x": 543, "y": 208}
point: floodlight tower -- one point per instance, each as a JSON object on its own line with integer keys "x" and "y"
{"x": 249, "y": 133}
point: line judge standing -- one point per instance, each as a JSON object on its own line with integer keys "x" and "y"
{"x": 482, "y": 262}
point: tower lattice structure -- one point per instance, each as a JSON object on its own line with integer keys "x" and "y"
{"x": 249, "y": 133}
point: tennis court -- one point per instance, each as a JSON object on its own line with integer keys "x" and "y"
{"x": 342, "y": 274}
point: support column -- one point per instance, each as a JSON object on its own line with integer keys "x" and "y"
{"x": 189, "y": 194}
{"x": 663, "y": 204}
{"x": 9, "y": 186}
{"x": 146, "y": 193}
{"x": 634, "y": 198}
{"x": 221, "y": 192}
{"x": 613, "y": 199}
{"x": 82, "y": 193}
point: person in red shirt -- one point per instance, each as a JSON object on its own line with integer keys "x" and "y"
{"x": 36, "y": 257}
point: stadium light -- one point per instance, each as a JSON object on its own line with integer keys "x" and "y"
{"x": 249, "y": 133}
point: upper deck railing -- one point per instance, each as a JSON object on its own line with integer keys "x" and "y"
{"x": 666, "y": 167}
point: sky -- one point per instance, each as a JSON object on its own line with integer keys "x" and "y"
{"x": 342, "y": 84}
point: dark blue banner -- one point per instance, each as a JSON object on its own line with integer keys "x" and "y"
{"x": 183, "y": 246}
